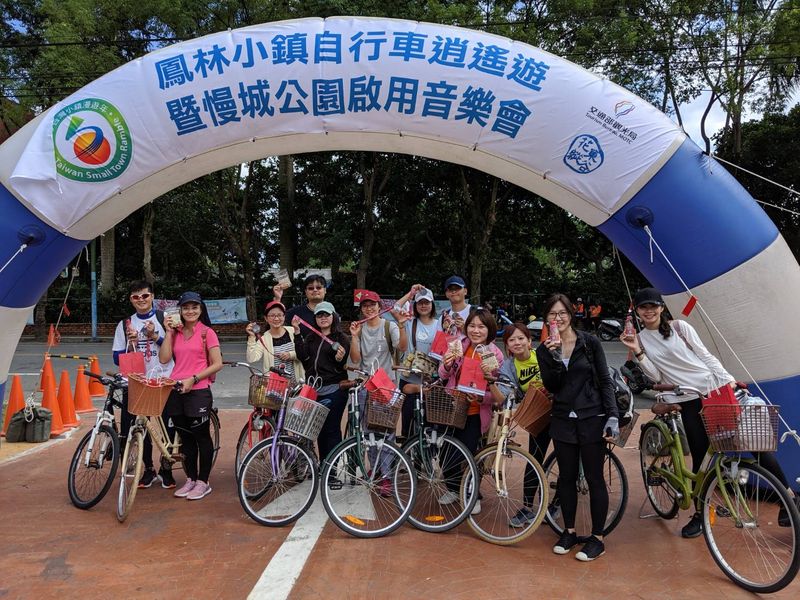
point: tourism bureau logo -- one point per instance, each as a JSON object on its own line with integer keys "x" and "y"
{"x": 91, "y": 141}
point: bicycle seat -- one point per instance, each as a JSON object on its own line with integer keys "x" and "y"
{"x": 662, "y": 408}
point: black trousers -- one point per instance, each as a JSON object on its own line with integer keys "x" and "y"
{"x": 470, "y": 436}
{"x": 196, "y": 444}
{"x": 569, "y": 457}
{"x": 537, "y": 446}
{"x": 331, "y": 433}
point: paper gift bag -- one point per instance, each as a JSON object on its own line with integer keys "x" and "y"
{"x": 533, "y": 413}
{"x": 131, "y": 362}
{"x": 439, "y": 345}
{"x": 721, "y": 411}
{"x": 380, "y": 386}
{"x": 470, "y": 377}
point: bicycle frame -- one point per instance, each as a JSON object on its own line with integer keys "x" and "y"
{"x": 104, "y": 417}
{"x": 160, "y": 437}
{"x": 502, "y": 441}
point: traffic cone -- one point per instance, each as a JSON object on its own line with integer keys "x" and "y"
{"x": 95, "y": 387}
{"x": 50, "y": 401}
{"x": 47, "y": 372}
{"x": 65, "y": 402}
{"x": 16, "y": 401}
{"x": 83, "y": 403}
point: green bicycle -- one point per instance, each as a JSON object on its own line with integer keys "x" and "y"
{"x": 751, "y": 523}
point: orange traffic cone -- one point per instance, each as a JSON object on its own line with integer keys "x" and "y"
{"x": 65, "y": 402}
{"x": 50, "y": 401}
{"x": 53, "y": 337}
{"x": 95, "y": 387}
{"x": 83, "y": 403}
{"x": 47, "y": 372}
{"x": 16, "y": 401}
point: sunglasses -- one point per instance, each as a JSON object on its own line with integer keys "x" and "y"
{"x": 144, "y": 296}
{"x": 315, "y": 287}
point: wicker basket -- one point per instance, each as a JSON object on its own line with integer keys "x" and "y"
{"x": 626, "y": 430}
{"x": 267, "y": 391}
{"x": 305, "y": 417}
{"x": 382, "y": 414}
{"x": 145, "y": 398}
{"x": 446, "y": 407}
{"x": 736, "y": 428}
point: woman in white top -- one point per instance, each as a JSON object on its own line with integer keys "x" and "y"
{"x": 672, "y": 352}
{"x": 276, "y": 345}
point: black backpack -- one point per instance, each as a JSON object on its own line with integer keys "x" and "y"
{"x": 622, "y": 393}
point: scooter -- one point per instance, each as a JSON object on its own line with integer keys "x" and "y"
{"x": 635, "y": 378}
{"x": 610, "y": 329}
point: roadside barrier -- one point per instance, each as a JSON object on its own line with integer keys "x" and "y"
{"x": 16, "y": 401}
{"x": 47, "y": 372}
{"x": 95, "y": 387}
{"x": 83, "y": 402}
{"x": 50, "y": 401}
{"x": 65, "y": 401}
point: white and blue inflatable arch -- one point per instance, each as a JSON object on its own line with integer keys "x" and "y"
{"x": 446, "y": 93}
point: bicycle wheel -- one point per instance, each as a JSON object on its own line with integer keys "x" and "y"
{"x": 440, "y": 467}
{"x": 616, "y": 484}
{"x": 214, "y": 428}
{"x": 654, "y": 454}
{"x": 131, "y": 472}
{"x": 743, "y": 533}
{"x": 525, "y": 490}
{"x": 362, "y": 499}
{"x": 92, "y": 470}
{"x": 280, "y": 493}
{"x": 251, "y": 434}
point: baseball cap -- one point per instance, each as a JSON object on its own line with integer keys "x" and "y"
{"x": 189, "y": 297}
{"x": 325, "y": 307}
{"x": 274, "y": 304}
{"x": 579, "y": 300}
{"x": 423, "y": 294}
{"x": 369, "y": 295}
{"x": 455, "y": 280}
{"x": 647, "y": 296}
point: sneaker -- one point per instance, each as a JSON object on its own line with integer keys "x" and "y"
{"x": 167, "y": 480}
{"x": 385, "y": 488}
{"x": 566, "y": 542}
{"x": 694, "y": 527}
{"x": 523, "y": 518}
{"x": 591, "y": 549}
{"x": 477, "y": 509}
{"x": 448, "y": 497}
{"x": 201, "y": 489}
{"x": 148, "y": 477}
{"x": 185, "y": 489}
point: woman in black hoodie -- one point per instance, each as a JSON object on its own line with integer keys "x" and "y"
{"x": 574, "y": 370}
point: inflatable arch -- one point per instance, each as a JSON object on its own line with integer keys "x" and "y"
{"x": 446, "y": 93}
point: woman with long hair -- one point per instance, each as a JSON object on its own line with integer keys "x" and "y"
{"x": 277, "y": 345}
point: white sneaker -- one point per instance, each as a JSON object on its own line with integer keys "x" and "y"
{"x": 448, "y": 497}
{"x": 477, "y": 509}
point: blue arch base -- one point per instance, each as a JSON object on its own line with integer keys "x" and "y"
{"x": 24, "y": 280}
{"x": 784, "y": 393}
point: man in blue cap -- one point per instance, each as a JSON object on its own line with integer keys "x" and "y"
{"x": 456, "y": 291}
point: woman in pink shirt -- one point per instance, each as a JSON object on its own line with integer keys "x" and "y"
{"x": 195, "y": 348}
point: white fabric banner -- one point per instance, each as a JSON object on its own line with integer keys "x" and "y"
{"x": 340, "y": 75}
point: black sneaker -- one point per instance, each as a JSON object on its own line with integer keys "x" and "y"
{"x": 591, "y": 549}
{"x": 694, "y": 527}
{"x": 167, "y": 480}
{"x": 148, "y": 477}
{"x": 566, "y": 542}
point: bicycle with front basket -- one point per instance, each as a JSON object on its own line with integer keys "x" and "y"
{"x": 368, "y": 484}
{"x": 741, "y": 502}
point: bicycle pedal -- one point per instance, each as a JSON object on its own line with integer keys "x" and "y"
{"x": 335, "y": 485}
{"x": 654, "y": 480}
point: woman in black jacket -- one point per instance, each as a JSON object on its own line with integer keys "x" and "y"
{"x": 574, "y": 370}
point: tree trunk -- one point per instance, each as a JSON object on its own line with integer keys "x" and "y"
{"x": 287, "y": 228}
{"x": 107, "y": 260}
{"x": 483, "y": 216}
{"x": 147, "y": 242}
{"x": 369, "y": 179}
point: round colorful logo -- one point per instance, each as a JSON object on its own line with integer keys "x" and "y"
{"x": 91, "y": 141}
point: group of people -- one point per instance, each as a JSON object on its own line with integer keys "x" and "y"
{"x": 570, "y": 364}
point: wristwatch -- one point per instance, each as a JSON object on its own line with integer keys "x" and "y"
{"x": 639, "y": 354}
{"x": 195, "y": 379}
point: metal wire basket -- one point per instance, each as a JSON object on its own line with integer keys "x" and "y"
{"x": 446, "y": 407}
{"x": 267, "y": 391}
{"x": 383, "y": 414}
{"x": 626, "y": 430}
{"x": 736, "y": 428}
{"x": 147, "y": 397}
{"x": 305, "y": 417}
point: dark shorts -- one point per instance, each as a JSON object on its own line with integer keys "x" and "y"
{"x": 196, "y": 403}
{"x": 577, "y": 431}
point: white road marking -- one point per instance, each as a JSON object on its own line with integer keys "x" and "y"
{"x": 282, "y": 572}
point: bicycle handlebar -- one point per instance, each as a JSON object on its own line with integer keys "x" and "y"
{"x": 232, "y": 364}
{"x": 407, "y": 370}
{"x": 113, "y": 379}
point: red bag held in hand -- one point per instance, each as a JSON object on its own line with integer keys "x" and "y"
{"x": 131, "y": 362}
{"x": 439, "y": 346}
{"x": 470, "y": 377}
{"x": 380, "y": 385}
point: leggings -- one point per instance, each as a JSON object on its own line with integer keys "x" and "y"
{"x": 537, "y": 446}
{"x": 569, "y": 457}
{"x": 331, "y": 433}
{"x": 197, "y": 446}
{"x": 471, "y": 437}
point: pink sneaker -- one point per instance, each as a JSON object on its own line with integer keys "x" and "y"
{"x": 184, "y": 490}
{"x": 200, "y": 490}
{"x": 385, "y": 488}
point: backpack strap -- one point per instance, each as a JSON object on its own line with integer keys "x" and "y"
{"x": 205, "y": 346}
{"x": 587, "y": 344}
{"x": 160, "y": 319}
{"x": 681, "y": 334}
{"x": 387, "y": 333}
{"x": 414, "y": 333}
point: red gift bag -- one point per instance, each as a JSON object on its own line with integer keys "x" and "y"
{"x": 131, "y": 362}
{"x": 721, "y": 409}
{"x": 470, "y": 377}
{"x": 439, "y": 346}
{"x": 381, "y": 386}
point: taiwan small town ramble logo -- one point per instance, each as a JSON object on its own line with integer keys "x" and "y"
{"x": 585, "y": 154}
{"x": 91, "y": 141}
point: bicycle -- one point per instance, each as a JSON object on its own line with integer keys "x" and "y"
{"x": 509, "y": 479}
{"x": 148, "y": 421}
{"x": 740, "y": 500}
{"x": 278, "y": 479}
{"x": 96, "y": 459}
{"x": 439, "y": 459}
{"x": 368, "y": 484}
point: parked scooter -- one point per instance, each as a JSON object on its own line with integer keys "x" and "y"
{"x": 635, "y": 378}
{"x": 610, "y": 329}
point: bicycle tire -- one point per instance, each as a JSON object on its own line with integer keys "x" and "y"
{"x": 616, "y": 483}
{"x": 249, "y": 438}
{"x": 662, "y": 495}
{"x": 438, "y": 475}
{"x": 492, "y": 524}
{"x": 130, "y": 474}
{"x": 755, "y": 545}
{"x": 265, "y": 494}
{"x": 351, "y": 495}
{"x": 89, "y": 483}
